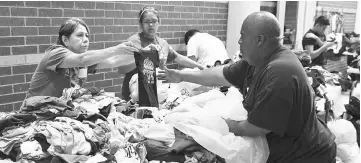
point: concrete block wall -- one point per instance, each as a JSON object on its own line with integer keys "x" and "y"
{"x": 28, "y": 28}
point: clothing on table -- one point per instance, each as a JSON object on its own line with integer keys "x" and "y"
{"x": 12, "y": 138}
{"x": 279, "y": 98}
{"x": 15, "y": 120}
{"x": 207, "y": 49}
{"x": 132, "y": 153}
{"x": 320, "y": 60}
{"x": 202, "y": 155}
{"x": 36, "y": 102}
{"x": 95, "y": 104}
{"x": 129, "y": 126}
{"x": 159, "y": 151}
{"x": 74, "y": 93}
{"x": 46, "y": 107}
{"x": 66, "y": 136}
{"x": 49, "y": 79}
{"x": 32, "y": 150}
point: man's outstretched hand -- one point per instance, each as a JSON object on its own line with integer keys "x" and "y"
{"x": 169, "y": 75}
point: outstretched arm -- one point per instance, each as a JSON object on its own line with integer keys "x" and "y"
{"x": 208, "y": 77}
{"x": 183, "y": 60}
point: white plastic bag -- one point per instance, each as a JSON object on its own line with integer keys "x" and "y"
{"x": 161, "y": 132}
{"x": 133, "y": 87}
{"x": 202, "y": 99}
{"x": 229, "y": 107}
{"x": 211, "y": 131}
{"x": 338, "y": 99}
{"x": 347, "y": 148}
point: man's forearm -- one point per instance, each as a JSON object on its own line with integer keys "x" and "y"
{"x": 209, "y": 77}
{"x": 244, "y": 128}
{"x": 187, "y": 62}
{"x": 318, "y": 52}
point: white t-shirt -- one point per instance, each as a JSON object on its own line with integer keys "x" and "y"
{"x": 207, "y": 49}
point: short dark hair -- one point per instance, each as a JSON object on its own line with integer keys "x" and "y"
{"x": 189, "y": 34}
{"x": 68, "y": 27}
{"x": 218, "y": 61}
{"x": 322, "y": 20}
{"x": 146, "y": 10}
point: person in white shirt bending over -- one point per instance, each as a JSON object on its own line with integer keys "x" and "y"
{"x": 204, "y": 48}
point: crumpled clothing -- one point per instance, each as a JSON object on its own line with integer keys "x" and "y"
{"x": 96, "y": 159}
{"x": 15, "y": 120}
{"x": 32, "y": 150}
{"x": 173, "y": 102}
{"x": 69, "y": 158}
{"x": 65, "y": 136}
{"x": 95, "y": 132}
{"x": 330, "y": 78}
{"x": 202, "y": 155}
{"x": 93, "y": 104}
{"x": 76, "y": 92}
{"x": 46, "y": 107}
{"x": 36, "y": 102}
{"x": 132, "y": 152}
{"x": 125, "y": 124}
{"x": 141, "y": 114}
{"x": 15, "y": 137}
{"x": 92, "y": 117}
{"x": 159, "y": 151}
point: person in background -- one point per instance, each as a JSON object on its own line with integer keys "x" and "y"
{"x": 204, "y": 48}
{"x": 314, "y": 44}
{"x": 277, "y": 95}
{"x": 217, "y": 63}
{"x": 59, "y": 68}
{"x": 158, "y": 52}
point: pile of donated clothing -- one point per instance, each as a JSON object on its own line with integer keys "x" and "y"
{"x": 88, "y": 125}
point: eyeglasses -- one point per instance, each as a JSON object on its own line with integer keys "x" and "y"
{"x": 151, "y": 22}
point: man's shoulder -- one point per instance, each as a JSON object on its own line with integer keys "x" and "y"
{"x": 285, "y": 62}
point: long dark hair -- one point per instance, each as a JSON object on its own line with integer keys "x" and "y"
{"x": 68, "y": 27}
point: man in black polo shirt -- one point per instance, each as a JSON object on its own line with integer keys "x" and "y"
{"x": 312, "y": 42}
{"x": 277, "y": 95}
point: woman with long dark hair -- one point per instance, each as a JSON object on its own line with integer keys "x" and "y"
{"x": 66, "y": 63}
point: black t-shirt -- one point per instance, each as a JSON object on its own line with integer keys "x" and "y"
{"x": 140, "y": 41}
{"x": 279, "y": 98}
{"x": 320, "y": 60}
